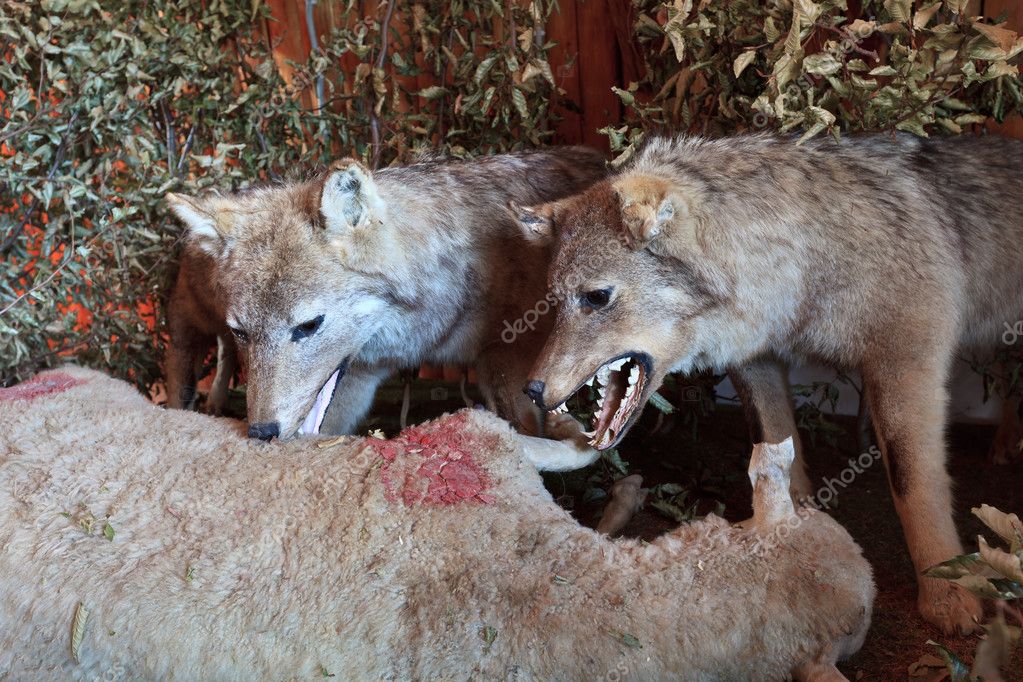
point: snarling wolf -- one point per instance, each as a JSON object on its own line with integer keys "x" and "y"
{"x": 329, "y": 285}
{"x": 881, "y": 253}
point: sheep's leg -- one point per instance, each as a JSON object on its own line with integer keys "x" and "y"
{"x": 502, "y": 374}
{"x": 627, "y": 497}
{"x": 227, "y": 360}
{"x": 555, "y": 455}
{"x": 769, "y": 469}
{"x": 818, "y": 672}
{"x": 763, "y": 388}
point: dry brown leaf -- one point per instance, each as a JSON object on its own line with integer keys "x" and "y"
{"x": 1002, "y": 37}
{"x": 1008, "y": 526}
{"x": 78, "y": 630}
{"x": 1000, "y": 560}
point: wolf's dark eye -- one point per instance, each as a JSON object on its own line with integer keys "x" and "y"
{"x": 306, "y": 328}
{"x": 239, "y": 334}
{"x": 596, "y": 299}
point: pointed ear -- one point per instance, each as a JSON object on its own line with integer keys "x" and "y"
{"x": 536, "y": 222}
{"x": 648, "y": 208}
{"x": 349, "y": 199}
{"x": 207, "y": 226}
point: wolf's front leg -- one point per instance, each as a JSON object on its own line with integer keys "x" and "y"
{"x": 763, "y": 388}
{"x": 186, "y": 351}
{"x": 907, "y": 398}
{"x": 352, "y": 399}
{"x": 227, "y": 363}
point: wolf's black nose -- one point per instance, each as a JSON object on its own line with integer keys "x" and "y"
{"x": 265, "y": 431}
{"x": 534, "y": 389}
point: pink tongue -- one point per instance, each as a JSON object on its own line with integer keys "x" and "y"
{"x": 311, "y": 424}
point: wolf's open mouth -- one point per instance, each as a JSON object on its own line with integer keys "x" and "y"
{"x": 312, "y": 422}
{"x": 620, "y": 384}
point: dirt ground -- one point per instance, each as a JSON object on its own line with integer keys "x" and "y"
{"x": 708, "y": 458}
{"x": 898, "y": 637}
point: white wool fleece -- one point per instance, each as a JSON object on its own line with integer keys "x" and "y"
{"x": 200, "y": 554}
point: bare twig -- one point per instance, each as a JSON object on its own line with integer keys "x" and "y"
{"x": 374, "y": 123}
{"x": 314, "y": 46}
{"x": 168, "y": 129}
{"x": 441, "y": 124}
{"x": 186, "y": 148}
{"x": 28, "y": 125}
{"x": 851, "y": 40}
{"x": 261, "y": 138}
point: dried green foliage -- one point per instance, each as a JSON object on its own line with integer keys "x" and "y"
{"x": 990, "y": 573}
{"x": 799, "y": 65}
{"x": 106, "y": 107}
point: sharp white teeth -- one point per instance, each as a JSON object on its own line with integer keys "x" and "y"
{"x": 617, "y": 364}
{"x": 590, "y": 434}
{"x": 602, "y": 391}
{"x": 592, "y": 379}
{"x": 634, "y": 376}
{"x": 629, "y": 391}
{"x": 604, "y": 375}
{"x": 562, "y": 408}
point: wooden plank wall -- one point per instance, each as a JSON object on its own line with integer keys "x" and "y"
{"x": 594, "y": 51}
{"x": 587, "y": 60}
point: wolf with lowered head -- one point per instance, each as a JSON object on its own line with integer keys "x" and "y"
{"x": 330, "y": 284}
{"x": 881, "y": 253}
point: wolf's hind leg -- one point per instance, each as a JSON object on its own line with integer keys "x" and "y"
{"x": 1008, "y": 437}
{"x": 907, "y": 403}
{"x": 227, "y": 362}
{"x": 353, "y": 398}
{"x": 763, "y": 388}
{"x": 185, "y": 354}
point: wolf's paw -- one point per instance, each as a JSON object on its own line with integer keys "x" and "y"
{"x": 215, "y": 406}
{"x": 948, "y": 606}
{"x": 566, "y": 427}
